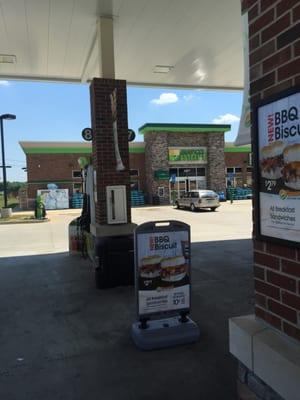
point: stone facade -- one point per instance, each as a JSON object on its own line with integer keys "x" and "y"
{"x": 215, "y": 162}
{"x": 156, "y": 158}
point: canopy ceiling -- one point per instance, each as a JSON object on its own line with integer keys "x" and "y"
{"x": 56, "y": 40}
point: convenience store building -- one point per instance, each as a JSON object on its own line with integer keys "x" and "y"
{"x": 172, "y": 159}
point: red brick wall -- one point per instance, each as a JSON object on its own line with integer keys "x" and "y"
{"x": 104, "y": 160}
{"x": 51, "y": 168}
{"x": 274, "y": 45}
{"x": 240, "y": 160}
{"x": 236, "y": 159}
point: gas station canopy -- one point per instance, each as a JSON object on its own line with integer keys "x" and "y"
{"x": 191, "y": 43}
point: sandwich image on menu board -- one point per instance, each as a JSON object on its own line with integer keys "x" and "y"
{"x": 173, "y": 269}
{"x": 272, "y": 160}
{"x": 150, "y": 267}
{"x": 157, "y": 271}
{"x": 291, "y": 169}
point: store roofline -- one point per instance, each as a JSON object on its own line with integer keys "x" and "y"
{"x": 181, "y": 128}
{"x": 239, "y": 149}
{"x": 86, "y": 148}
{"x": 69, "y": 147}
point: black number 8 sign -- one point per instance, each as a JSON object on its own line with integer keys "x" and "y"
{"x": 87, "y": 134}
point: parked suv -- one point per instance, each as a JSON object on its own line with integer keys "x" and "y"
{"x": 198, "y": 199}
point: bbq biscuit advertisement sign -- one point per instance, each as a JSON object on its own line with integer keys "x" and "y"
{"x": 163, "y": 272}
{"x": 279, "y": 168}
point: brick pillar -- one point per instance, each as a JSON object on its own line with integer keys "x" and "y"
{"x": 104, "y": 158}
{"x": 274, "y": 62}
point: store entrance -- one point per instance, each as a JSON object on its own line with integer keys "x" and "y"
{"x": 187, "y": 184}
{"x": 185, "y": 179}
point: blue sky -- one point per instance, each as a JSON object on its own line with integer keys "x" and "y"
{"x": 48, "y": 111}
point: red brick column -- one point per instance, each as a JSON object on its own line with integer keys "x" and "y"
{"x": 104, "y": 158}
{"x": 274, "y": 60}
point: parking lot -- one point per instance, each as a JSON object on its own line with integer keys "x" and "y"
{"x": 61, "y": 338}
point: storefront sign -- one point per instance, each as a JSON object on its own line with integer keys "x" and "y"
{"x": 278, "y": 167}
{"x": 161, "y": 174}
{"x": 162, "y": 264}
{"x": 191, "y": 155}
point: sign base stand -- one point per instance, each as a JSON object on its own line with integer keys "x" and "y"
{"x": 164, "y": 333}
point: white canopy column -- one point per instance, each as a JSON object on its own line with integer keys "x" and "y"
{"x": 105, "y": 40}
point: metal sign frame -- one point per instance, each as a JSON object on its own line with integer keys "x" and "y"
{"x": 256, "y": 164}
{"x": 161, "y": 227}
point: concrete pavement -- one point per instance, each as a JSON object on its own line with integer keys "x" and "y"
{"x": 61, "y": 338}
{"x": 43, "y": 238}
{"x": 230, "y": 221}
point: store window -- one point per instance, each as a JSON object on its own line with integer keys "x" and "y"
{"x": 234, "y": 170}
{"x": 192, "y": 184}
{"x": 183, "y": 172}
{"x": 187, "y": 172}
{"x": 77, "y": 187}
{"x": 185, "y": 179}
{"x": 201, "y": 172}
{"x": 134, "y": 172}
{"x": 134, "y": 181}
{"x": 76, "y": 174}
{"x": 173, "y": 172}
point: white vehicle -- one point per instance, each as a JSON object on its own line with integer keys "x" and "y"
{"x": 196, "y": 199}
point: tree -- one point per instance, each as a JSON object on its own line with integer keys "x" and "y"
{"x": 12, "y": 187}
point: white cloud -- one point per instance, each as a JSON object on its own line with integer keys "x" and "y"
{"x": 165, "y": 98}
{"x": 226, "y": 119}
{"x": 4, "y": 83}
{"x": 188, "y": 97}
